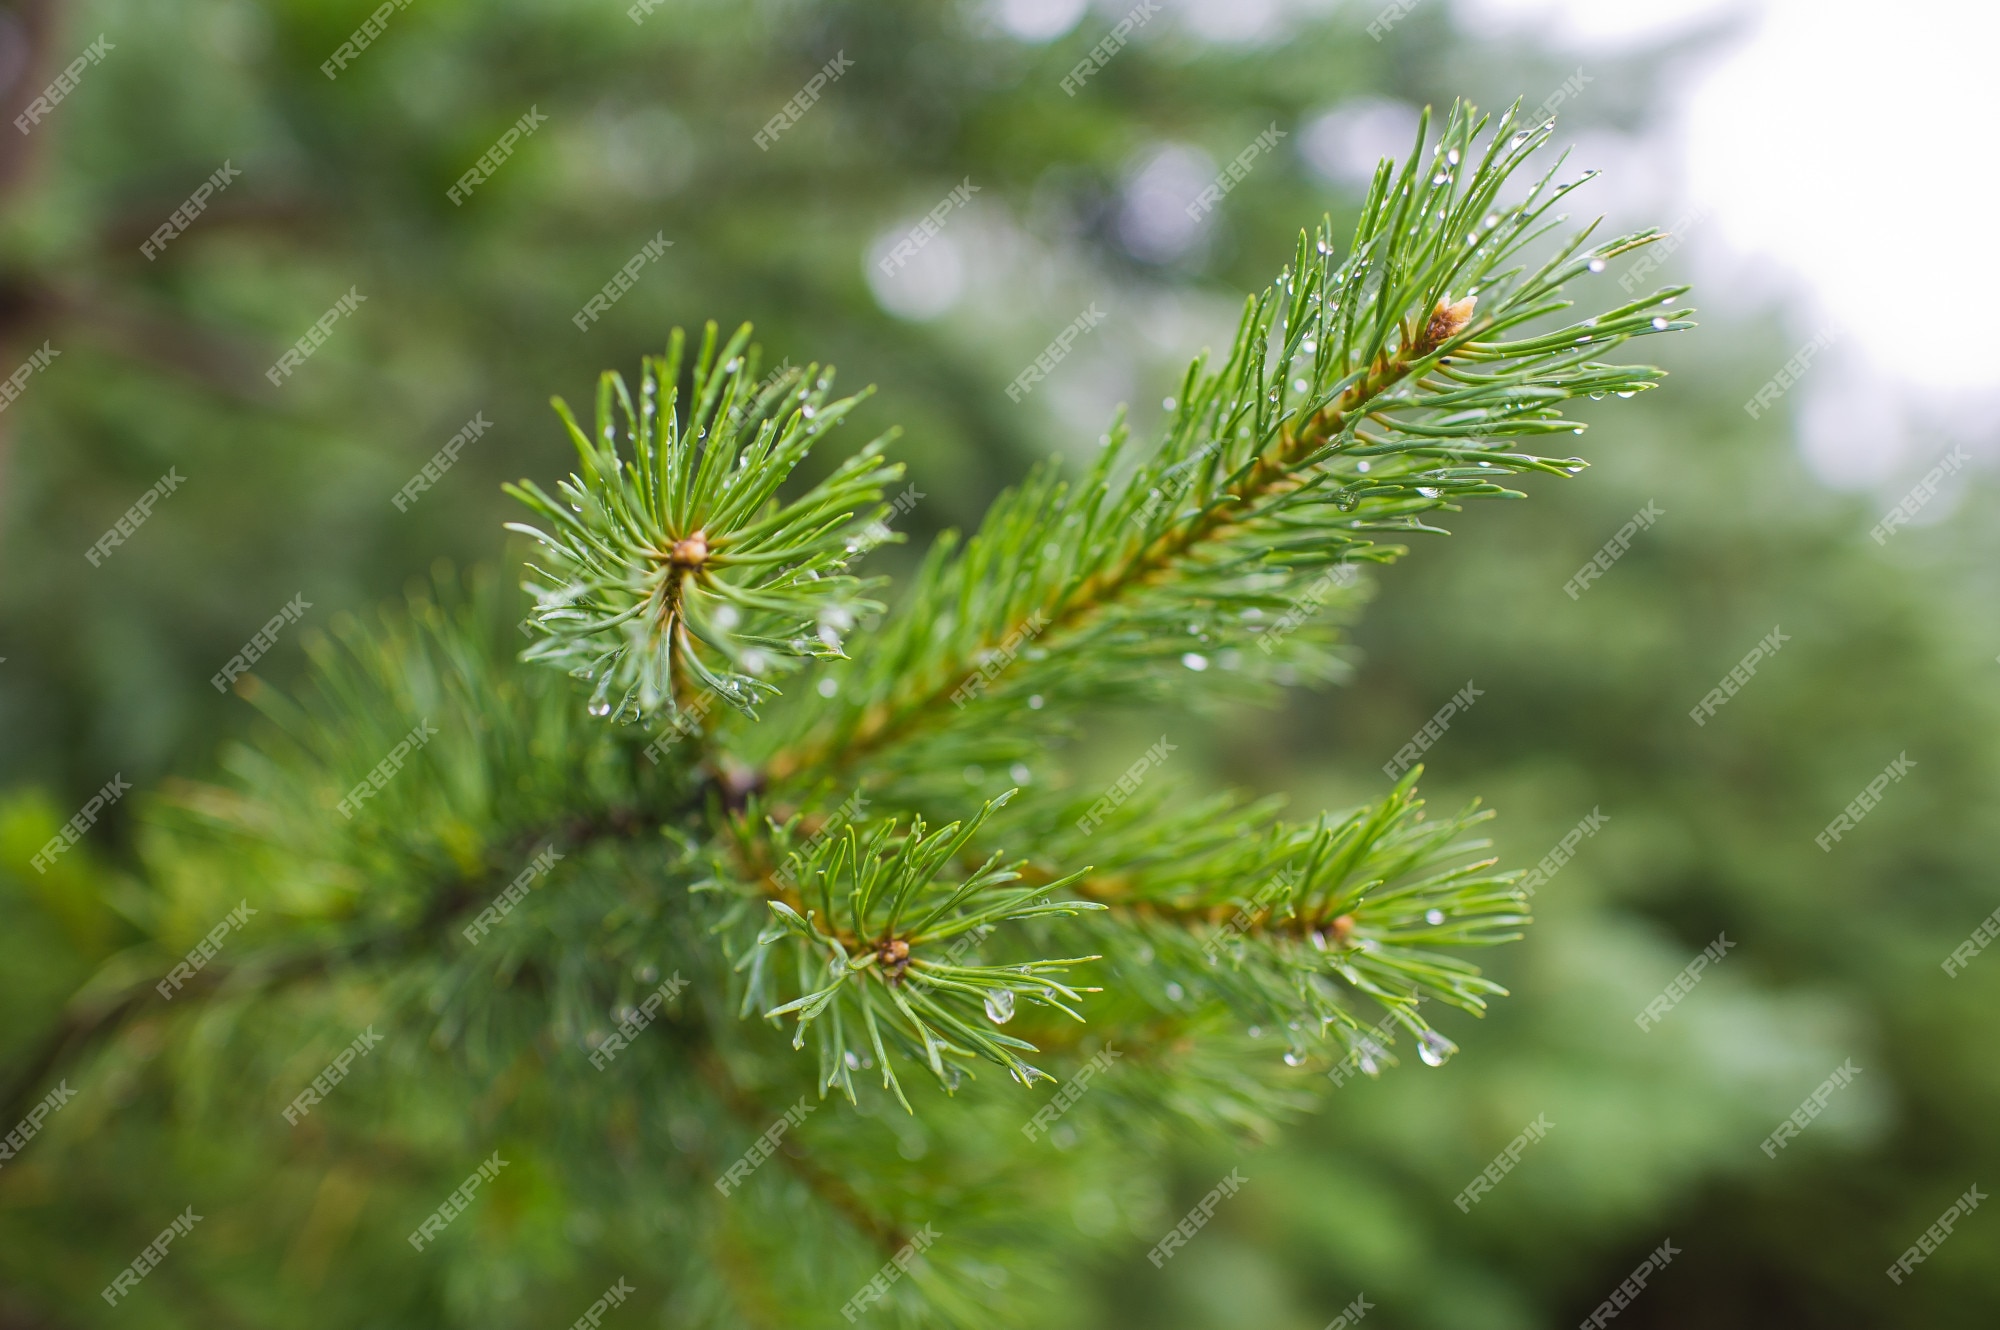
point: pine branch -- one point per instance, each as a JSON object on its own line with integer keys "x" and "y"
{"x": 683, "y": 571}
{"x": 1291, "y": 928}
{"x": 878, "y": 957}
{"x": 1357, "y": 397}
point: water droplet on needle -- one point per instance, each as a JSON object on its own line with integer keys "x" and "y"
{"x": 1434, "y": 1048}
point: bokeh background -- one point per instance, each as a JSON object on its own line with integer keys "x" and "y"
{"x": 1818, "y": 175}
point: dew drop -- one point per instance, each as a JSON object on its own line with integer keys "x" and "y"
{"x": 1434, "y": 1048}
{"x": 1299, "y": 385}
{"x": 1597, "y": 265}
{"x": 1294, "y": 1058}
{"x": 1035, "y": 703}
{"x": 1167, "y": 403}
{"x": 1434, "y": 917}
{"x": 1362, "y": 467}
{"x": 1000, "y": 1005}
{"x": 853, "y": 1061}
{"x": 1367, "y": 1057}
{"x": 1660, "y": 325}
{"x": 1175, "y": 992}
{"x": 827, "y": 687}
{"x": 1195, "y": 661}
{"x": 1256, "y": 1032}
{"x": 1020, "y": 774}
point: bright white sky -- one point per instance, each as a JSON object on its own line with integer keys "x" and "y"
{"x": 1837, "y": 140}
{"x": 1826, "y": 157}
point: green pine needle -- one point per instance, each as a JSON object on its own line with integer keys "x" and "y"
{"x": 1363, "y": 393}
{"x": 682, "y": 572}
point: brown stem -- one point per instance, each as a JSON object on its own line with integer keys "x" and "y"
{"x": 1074, "y": 607}
{"x": 83, "y": 1025}
{"x": 1113, "y": 891}
{"x": 828, "y": 1186}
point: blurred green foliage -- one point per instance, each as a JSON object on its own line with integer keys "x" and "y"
{"x": 649, "y": 131}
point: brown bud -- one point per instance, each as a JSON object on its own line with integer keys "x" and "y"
{"x": 1342, "y": 929}
{"x": 1447, "y": 322}
{"x": 894, "y": 954}
{"x": 691, "y": 552}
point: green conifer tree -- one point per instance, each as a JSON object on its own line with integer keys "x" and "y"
{"x": 696, "y": 979}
